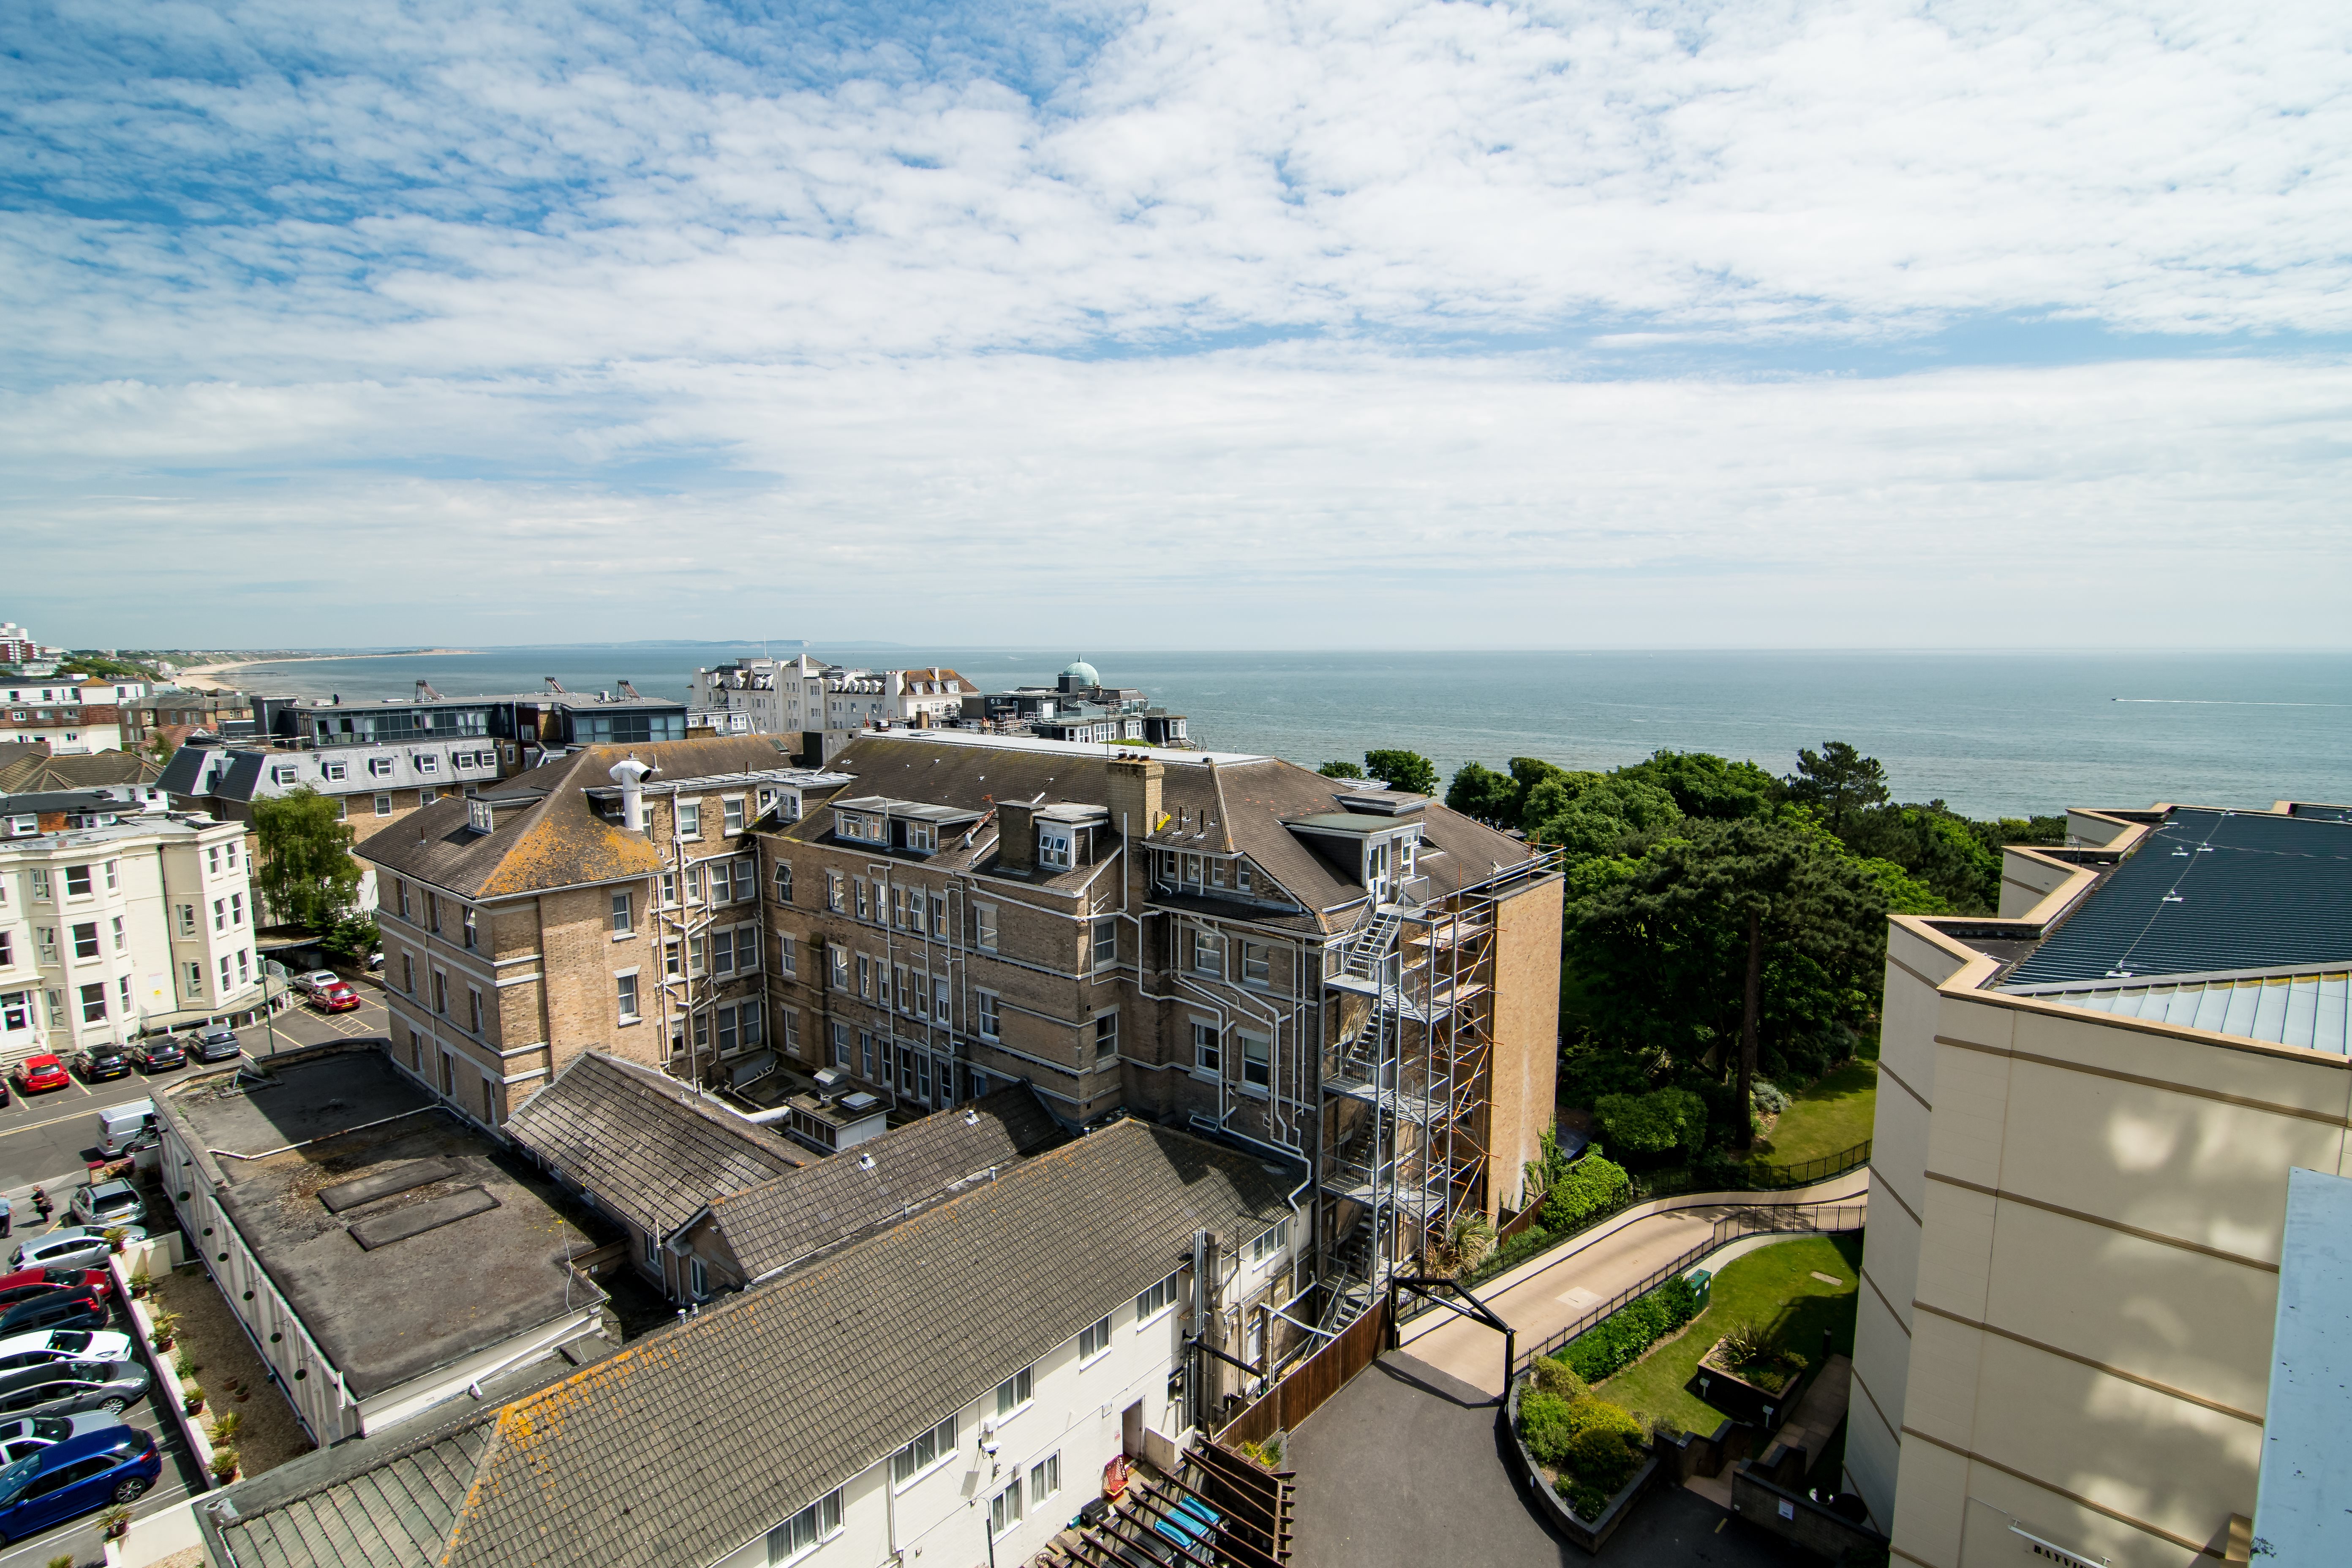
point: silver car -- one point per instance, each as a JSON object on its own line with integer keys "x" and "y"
{"x": 29, "y": 1435}
{"x": 69, "y": 1247}
{"x": 107, "y": 1205}
{"x": 212, "y": 1044}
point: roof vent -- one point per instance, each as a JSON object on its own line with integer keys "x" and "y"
{"x": 866, "y": 1161}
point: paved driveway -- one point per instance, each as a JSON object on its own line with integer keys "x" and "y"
{"x": 1404, "y": 1468}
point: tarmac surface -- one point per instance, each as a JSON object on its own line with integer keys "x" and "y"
{"x": 1405, "y": 1467}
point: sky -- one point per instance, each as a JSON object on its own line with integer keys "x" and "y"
{"x": 1257, "y": 325}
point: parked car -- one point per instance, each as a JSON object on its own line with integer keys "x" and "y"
{"x": 103, "y": 1061}
{"x": 126, "y": 1128}
{"x": 314, "y": 982}
{"x": 64, "y": 1344}
{"x": 28, "y": 1283}
{"x": 337, "y": 998}
{"x": 57, "y": 1310}
{"x": 69, "y": 1246}
{"x": 36, "y": 1074}
{"x": 30, "y": 1434}
{"x": 106, "y": 1206}
{"x": 68, "y": 1480}
{"x": 158, "y": 1053}
{"x": 215, "y": 1044}
{"x": 375, "y": 959}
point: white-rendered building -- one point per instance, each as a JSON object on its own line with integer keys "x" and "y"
{"x": 116, "y": 923}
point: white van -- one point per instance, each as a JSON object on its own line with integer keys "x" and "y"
{"x": 127, "y": 1127}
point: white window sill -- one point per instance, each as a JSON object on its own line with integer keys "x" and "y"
{"x": 1254, "y": 1090}
{"x": 627, "y": 1023}
{"x": 624, "y": 936}
{"x": 1143, "y": 1323}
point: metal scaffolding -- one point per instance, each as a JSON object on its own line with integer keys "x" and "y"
{"x": 1406, "y": 1099}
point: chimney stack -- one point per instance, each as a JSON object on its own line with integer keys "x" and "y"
{"x": 1132, "y": 793}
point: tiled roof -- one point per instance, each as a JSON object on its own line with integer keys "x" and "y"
{"x": 395, "y": 1513}
{"x": 36, "y": 770}
{"x": 806, "y": 1383}
{"x": 558, "y": 839}
{"x": 1239, "y": 806}
{"x": 647, "y": 1146}
{"x": 2206, "y": 892}
{"x": 771, "y": 1226}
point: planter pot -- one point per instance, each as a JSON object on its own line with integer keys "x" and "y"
{"x": 193, "y": 1404}
{"x": 1750, "y": 1403}
{"x": 1589, "y": 1534}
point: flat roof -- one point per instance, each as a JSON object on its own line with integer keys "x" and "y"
{"x": 2210, "y": 892}
{"x": 393, "y": 1311}
{"x": 2312, "y": 1008}
{"x": 1169, "y": 755}
{"x": 2307, "y": 1468}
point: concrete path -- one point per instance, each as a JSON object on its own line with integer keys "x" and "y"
{"x": 1546, "y": 1294}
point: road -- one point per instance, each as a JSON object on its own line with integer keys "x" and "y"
{"x": 49, "y": 1140}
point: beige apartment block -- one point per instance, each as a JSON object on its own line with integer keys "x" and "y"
{"x": 1357, "y": 980}
{"x": 573, "y": 908}
{"x": 2088, "y": 1112}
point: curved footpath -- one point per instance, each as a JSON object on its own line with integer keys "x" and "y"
{"x": 1547, "y": 1293}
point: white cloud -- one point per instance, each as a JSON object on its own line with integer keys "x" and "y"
{"x": 604, "y": 296}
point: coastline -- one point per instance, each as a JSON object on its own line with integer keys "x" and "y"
{"x": 199, "y": 677}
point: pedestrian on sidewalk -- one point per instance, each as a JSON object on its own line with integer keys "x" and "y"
{"x": 6, "y": 1212}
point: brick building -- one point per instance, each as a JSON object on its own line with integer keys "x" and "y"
{"x": 562, "y": 910}
{"x": 1358, "y": 980}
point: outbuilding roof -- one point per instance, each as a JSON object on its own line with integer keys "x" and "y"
{"x": 647, "y": 1147}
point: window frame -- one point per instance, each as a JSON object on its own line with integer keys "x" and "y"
{"x": 907, "y": 1466}
{"x": 1099, "y": 1333}
{"x": 1016, "y": 1394}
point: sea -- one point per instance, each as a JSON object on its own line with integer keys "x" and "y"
{"x": 1989, "y": 734}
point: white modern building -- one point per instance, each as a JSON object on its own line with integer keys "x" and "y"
{"x": 808, "y": 697}
{"x": 114, "y": 923}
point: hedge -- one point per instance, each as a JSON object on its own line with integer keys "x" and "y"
{"x": 1591, "y": 1184}
{"x": 1653, "y": 1123}
{"x": 1619, "y": 1339}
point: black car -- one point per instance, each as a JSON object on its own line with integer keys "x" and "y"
{"x": 63, "y": 1309}
{"x": 212, "y": 1044}
{"x": 103, "y": 1061}
{"x": 64, "y": 1388}
{"x": 159, "y": 1054}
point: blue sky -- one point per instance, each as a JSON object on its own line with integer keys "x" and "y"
{"x": 1783, "y": 324}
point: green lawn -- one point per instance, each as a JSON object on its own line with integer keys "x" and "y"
{"x": 1826, "y": 1118}
{"x": 1772, "y": 1285}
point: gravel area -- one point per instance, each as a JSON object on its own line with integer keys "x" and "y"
{"x": 267, "y": 1434}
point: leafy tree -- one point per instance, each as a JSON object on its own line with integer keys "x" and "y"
{"x": 1837, "y": 781}
{"x": 1905, "y": 894}
{"x": 1596, "y": 814}
{"x": 1704, "y": 785}
{"x": 352, "y": 938}
{"x": 1659, "y": 1122}
{"x": 1478, "y": 791}
{"x": 1407, "y": 770}
{"x": 1729, "y": 931}
{"x": 1341, "y": 770}
{"x": 306, "y": 874}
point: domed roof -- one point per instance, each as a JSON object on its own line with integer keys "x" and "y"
{"x": 1084, "y": 671}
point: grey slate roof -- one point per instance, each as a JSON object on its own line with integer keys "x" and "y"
{"x": 2210, "y": 891}
{"x": 1240, "y": 805}
{"x": 396, "y": 1513}
{"x": 647, "y": 1146}
{"x": 770, "y": 1226}
{"x": 32, "y": 768}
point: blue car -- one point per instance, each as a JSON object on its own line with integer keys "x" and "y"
{"x": 68, "y": 1480}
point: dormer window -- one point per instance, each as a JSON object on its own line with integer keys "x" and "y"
{"x": 859, "y": 825}
{"x": 479, "y": 815}
{"x": 924, "y": 836}
{"x": 1053, "y": 847}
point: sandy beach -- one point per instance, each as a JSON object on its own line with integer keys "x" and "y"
{"x": 201, "y": 677}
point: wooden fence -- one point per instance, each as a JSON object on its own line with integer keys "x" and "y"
{"x": 1282, "y": 1408}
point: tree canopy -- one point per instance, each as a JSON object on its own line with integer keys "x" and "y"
{"x": 305, "y": 872}
{"x": 1837, "y": 781}
{"x": 1336, "y": 769}
{"x": 1407, "y": 770}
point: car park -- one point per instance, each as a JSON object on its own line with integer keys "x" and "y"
{"x": 69, "y": 1246}
{"x": 95, "y": 1280}
{"x": 158, "y": 1053}
{"x": 106, "y": 1206}
{"x": 68, "y": 1479}
{"x": 212, "y": 1044}
{"x": 58, "y": 1309}
{"x": 36, "y": 1075}
{"x": 338, "y": 997}
{"x": 103, "y": 1061}
{"x": 31, "y": 1433}
{"x": 20, "y": 1351}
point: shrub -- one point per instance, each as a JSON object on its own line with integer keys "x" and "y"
{"x": 1659, "y": 1122}
{"x": 1604, "y": 1458}
{"x": 1544, "y": 1424}
{"x": 1594, "y": 1445}
{"x": 1767, "y": 1098}
{"x": 1555, "y": 1377}
{"x": 1620, "y": 1338}
{"x": 221, "y": 1430}
{"x": 1590, "y": 1185}
{"x": 1745, "y": 1342}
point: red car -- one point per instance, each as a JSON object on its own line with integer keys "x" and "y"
{"x": 338, "y": 997}
{"x": 37, "y": 1073}
{"x": 29, "y": 1282}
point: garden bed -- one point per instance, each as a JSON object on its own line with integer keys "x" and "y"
{"x": 1542, "y": 1481}
{"x": 223, "y": 1363}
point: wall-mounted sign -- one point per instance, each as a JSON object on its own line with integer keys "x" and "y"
{"x": 2058, "y": 1555}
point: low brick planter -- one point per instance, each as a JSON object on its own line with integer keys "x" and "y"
{"x": 1750, "y": 1403}
{"x": 1588, "y": 1533}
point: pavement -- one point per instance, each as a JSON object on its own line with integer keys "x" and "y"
{"x": 1406, "y": 1465}
{"x": 1546, "y": 1294}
